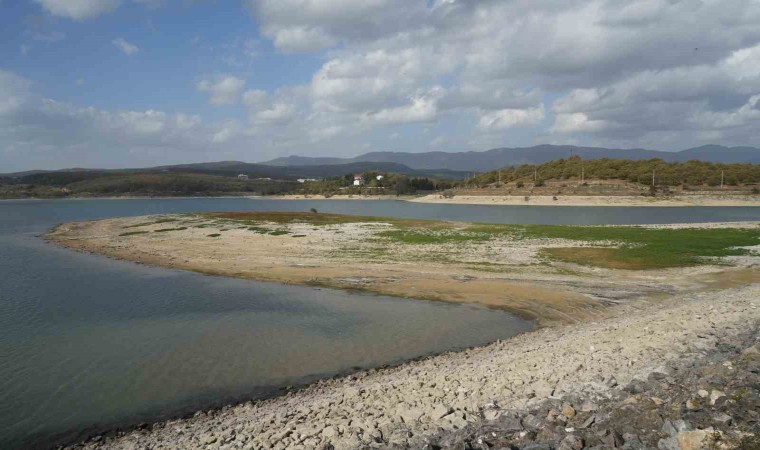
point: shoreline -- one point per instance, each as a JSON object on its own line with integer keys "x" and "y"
{"x": 597, "y": 201}
{"x": 675, "y": 201}
{"x": 393, "y": 405}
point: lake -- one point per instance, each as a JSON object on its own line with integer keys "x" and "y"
{"x": 89, "y": 343}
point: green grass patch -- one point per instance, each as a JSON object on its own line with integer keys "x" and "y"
{"x": 642, "y": 248}
{"x": 278, "y": 232}
{"x": 428, "y": 236}
{"x": 299, "y": 235}
{"x": 132, "y": 233}
{"x": 155, "y": 222}
{"x": 164, "y": 230}
{"x": 320, "y": 219}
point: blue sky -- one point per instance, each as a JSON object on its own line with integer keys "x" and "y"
{"x": 115, "y": 83}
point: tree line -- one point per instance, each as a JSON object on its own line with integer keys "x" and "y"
{"x": 690, "y": 173}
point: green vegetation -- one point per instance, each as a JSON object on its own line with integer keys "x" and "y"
{"x": 690, "y": 173}
{"x": 214, "y": 235}
{"x": 98, "y": 183}
{"x": 164, "y": 230}
{"x": 634, "y": 247}
{"x": 132, "y": 233}
{"x": 255, "y": 219}
{"x": 432, "y": 236}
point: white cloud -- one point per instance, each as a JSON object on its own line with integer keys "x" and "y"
{"x": 78, "y": 9}
{"x": 224, "y": 89}
{"x": 512, "y": 118}
{"x": 124, "y": 46}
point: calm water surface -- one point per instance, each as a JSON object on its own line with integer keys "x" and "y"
{"x": 87, "y": 342}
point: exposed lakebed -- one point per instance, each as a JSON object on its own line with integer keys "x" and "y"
{"x": 91, "y": 342}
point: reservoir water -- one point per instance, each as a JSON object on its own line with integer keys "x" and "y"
{"x": 89, "y": 343}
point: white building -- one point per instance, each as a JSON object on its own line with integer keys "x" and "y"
{"x": 358, "y": 180}
{"x": 380, "y": 178}
{"x": 242, "y": 177}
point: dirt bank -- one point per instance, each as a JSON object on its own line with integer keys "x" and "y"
{"x": 423, "y": 401}
{"x": 595, "y": 200}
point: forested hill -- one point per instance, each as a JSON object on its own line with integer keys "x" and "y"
{"x": 694, "y": 173}
{"x": 502, "y": 157}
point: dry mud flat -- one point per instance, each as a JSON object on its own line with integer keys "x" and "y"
{"x": 535, "y": 391}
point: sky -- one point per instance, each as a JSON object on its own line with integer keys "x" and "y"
{"x": 135, "y": 83}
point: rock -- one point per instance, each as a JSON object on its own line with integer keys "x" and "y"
{"x": 751, "y": 352}
{"x": 571, "y": 442}
{"x": 692, "y": 405}
{"x": 329, "y": 432}
{"x": 588, "y": 406}
{"x": 439, "y": 411}
{"x": 491, "y": 414}
{"x": 657, "y": 401}
{"x": 208, "y": 439}
{"x": 632, "y": 442}
{"x": 533, "y": 422}
{"x": 510, "y": 424}
{"x": 670, "y": 443}
{"x": 691, "y": 440}
{"x": 588, "y": 422}
{"x": 722, "y": 419}
{"x": 703, "y": 393}
{"x": 568, "y": 410}
{"x": 409, "y": 415}
{"x": 715, "y": 395}
{"x": 539, "y": 445}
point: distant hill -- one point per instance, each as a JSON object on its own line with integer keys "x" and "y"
{"x": 233, "y": 168}
{"x": 503, "y": 157}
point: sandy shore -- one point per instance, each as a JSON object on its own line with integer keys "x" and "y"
{"x": 403, "y": 407}
{"x": 600, "y": 200}
{"x": 502, "y": 272}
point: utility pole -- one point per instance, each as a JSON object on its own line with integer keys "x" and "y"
{"x": 583, "y": 174}
{"x": 722, "y": 177}
{"x": 499, "y": 177}
{"x": 535, "y": 175}
{"x": 652, "y": 177}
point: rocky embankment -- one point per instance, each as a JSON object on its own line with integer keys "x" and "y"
{"x": 675, "y": 374}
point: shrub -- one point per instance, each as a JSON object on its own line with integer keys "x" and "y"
{"x": 520, "y": 184}
{"x": 314, "y": 210}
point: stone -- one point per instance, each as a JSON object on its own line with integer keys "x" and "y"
{"x": 208, "y": 439}
{"x": 657, "y": 401}
{"x": 440, "y": 411}
{"x": 491, "y": 414}
{"x": 670, "y": 443}
{"x": 571, "y": 442}
{"x": 632, "y": 442}
{"x": 692, "y": 440}
{"x": 329, "y": 432}
{"x": 588, "y": 422}
{"x": 409, "y": 415}
{"x": 703, "y": 393}
{"x": 715, "y": 395}
{"x": 722, "y": 419}
{"x": 692, "y": 405}
{"x": 510, "y": 424}
{"x": 568, "y": 410}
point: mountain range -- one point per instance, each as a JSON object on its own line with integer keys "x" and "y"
{"x": 503, "y": 157}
